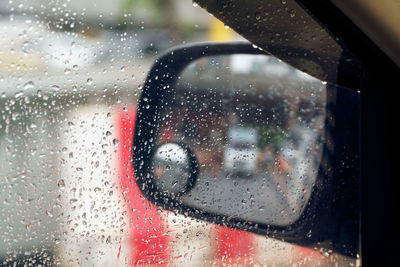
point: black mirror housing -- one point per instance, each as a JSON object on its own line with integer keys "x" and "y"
{"x": 325, "y": 215}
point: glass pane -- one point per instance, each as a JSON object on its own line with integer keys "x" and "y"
{"x": 70, "y": 75}
{"x": 256, "y": 126}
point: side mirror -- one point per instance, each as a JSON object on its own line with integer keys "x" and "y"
{"x": 250, "y": 142}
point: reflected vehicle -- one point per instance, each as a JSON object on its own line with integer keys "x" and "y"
{"x": 241, "y": 152}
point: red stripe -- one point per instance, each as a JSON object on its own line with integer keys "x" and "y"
{"x": 148, "y": 233}
{"x": 234, "y": 246}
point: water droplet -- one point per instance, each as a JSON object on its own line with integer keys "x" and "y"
{"x": 309, "y": 234}
{"x": 19, "y": 94}
{"x": 29, "y": 85}
{"x": 49, "y": 213}
{"x": 115, "y": 142}
{"x": 61, "y": 184}
{"x": 89, "y": 81}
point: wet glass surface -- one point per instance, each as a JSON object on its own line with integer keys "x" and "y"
{"x": 71, "y": 73}
{"x": 256, "y": 126}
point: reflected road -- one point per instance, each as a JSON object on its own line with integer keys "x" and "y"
{"x": 259, "y": 198}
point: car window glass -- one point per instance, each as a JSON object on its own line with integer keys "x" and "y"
{"x": 71, "y": 73}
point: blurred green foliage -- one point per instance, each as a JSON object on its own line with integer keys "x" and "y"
{"x": 163, "y": 15}
{"x": 163, "y": 10}
{"x": 269, "y": 136}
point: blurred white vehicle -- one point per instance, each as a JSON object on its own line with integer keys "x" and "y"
{"x": 241, "y": 151}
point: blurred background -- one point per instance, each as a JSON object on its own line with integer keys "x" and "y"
{"x": 70, "y": 75}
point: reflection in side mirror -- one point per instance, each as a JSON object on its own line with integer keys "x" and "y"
{"x": 173, "y": 167}
{"x": 256, "y": 126}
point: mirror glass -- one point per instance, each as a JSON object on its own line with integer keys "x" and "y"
{"x": 255, "y": 125}
{"x": 171, "y": 169}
